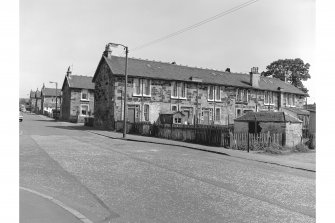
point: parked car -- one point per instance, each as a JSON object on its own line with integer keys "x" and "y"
{"x": 20, "y": 117}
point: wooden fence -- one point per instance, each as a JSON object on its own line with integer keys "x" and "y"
{"x": 201, "y": 134}
{"x": 222, "y": 136}
{"x": 249, "y": 141}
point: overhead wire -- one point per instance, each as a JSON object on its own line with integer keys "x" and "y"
{"x": 219, "y": 15}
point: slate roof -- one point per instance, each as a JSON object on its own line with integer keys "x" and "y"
{"x": 51, "y": 92}
{"x": 38, "y": 94}
{"x": 298, "y": 111}
{"x": 78, "y": 81}
{"x": 168, "y": 71}
{"x": 32, "y": 94}
{"x": 268, "y": 117}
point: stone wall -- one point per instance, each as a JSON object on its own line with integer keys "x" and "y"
{"x": 66, "y": 98}
{"x": 293, "y": 134}
{"x": 49, "y": 102}
{"x": 104, "y": 98}
{"x": 76, "y": 103}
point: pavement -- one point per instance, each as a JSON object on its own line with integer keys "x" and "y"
{"x": 294, "y": 160}
{"x": 37, "y": 209}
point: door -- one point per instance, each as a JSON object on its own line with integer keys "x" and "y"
{"x": 131, "y": 115}
{"x": 206, "y": 117}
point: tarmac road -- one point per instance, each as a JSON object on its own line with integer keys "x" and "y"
{"x": 124, "y": 181}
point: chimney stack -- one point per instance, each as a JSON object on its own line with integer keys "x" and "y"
{"x": 68, "y": 73}
{"x": 254, "y": 77}
{"x": 228, "y": 70}
{"x": 108, "y": 51}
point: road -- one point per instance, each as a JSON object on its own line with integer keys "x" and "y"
{"x": 123, "y": 181}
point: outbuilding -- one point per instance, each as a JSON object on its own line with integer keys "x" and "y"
{"x": 273, "y": 122}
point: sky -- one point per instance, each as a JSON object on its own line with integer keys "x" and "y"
{"x": 55, "y": 34}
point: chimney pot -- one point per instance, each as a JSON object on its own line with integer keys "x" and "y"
{"x": 68, "y": 73}
{"x": 108, "y": 51}
{"x": 254, "y": 77}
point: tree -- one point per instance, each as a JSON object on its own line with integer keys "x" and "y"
{"x": 295, "y": 71}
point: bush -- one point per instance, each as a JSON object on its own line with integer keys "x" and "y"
{"x": 301, "y": 148}
{"x": 311, "y": 141}
{"x": 257, "y": 146}
{"x": 274, "y": 149}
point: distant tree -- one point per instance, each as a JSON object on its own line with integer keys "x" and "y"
{"x": 295, "y": 71}
{"x": 23, "y": 101}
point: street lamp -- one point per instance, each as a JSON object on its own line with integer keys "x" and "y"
{"x": 52, "y": 82}
{"x": 125, "y": 88}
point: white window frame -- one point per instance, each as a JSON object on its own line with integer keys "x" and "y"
{"x": 267, "y": 96}
{"x": 209, "y": 91}
{"x": 148, "y": 112}
{"x": 141, "y": 86}
{"x": 81, "y": 109}
{"x": 177, "y": 85}
{"x": 216, "y": 114}
{"x": 241, "y": 113}
{"x": 144, "y": 94}
{"x": 293, "y": 100}
{"x": 216, "y": 89}
{"x": 240, "y": 94}
{"x": 87, "y": 93}
{"x": 174, "y": 105}
{"x": 180, "y": 90}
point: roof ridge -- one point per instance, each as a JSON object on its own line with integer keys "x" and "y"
{"x": 182, "y": 65}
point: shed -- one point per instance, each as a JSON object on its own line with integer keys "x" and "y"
{"x": 173, "y": 117}
{"x": 273, "y": 122}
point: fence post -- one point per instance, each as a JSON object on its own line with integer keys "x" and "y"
{"x": 248, "y": 141}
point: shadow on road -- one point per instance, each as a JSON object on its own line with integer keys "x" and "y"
{"x": 75, "y": 127}
{"x": 42, "y": 120}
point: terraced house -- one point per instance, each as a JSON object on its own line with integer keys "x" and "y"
{"x": 77, "y": 97}
{"x": 205, "y": 96}
{"x": 35, "y": 101}
{"x": 48, "y": 99}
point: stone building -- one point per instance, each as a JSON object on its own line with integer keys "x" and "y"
{"x": 77, "y": 97}
{"x": 273, "y": 122}
{"x": 32, "y": 100}
{"x": 48, "y": 100}
{"x": 38, "y": 103}
{"x": 205, "y": 96}
{"x": 35, "y": 101}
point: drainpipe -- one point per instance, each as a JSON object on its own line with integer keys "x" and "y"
{"x": 142, "y": 105}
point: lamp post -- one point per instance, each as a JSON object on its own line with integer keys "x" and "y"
{"x": 52, "y": 82}
{"x": 125, "y": 88}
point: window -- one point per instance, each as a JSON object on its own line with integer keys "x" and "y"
{"x": 174, "y": 108}
{"x": 217, "y": 114}
{"x": 84, "y": 110}
{"x": 183, "y": 90}
{"x": 142, "y": 87}
{"x": 268, "y": 98}
{"x": 146, "y": 86}
{"x": 137, "y": 87}
{"x": 177, "y": 120}
{"x": 211, "y": 93}
{"x": 174, "y": 90}
{"x": 178, "y": 90}
{"x": 84, "y": 94}
{"x": 217, "y": 93}
{"x": 146, "y": 113}
{"x": 242, "y": 95}
{"x": 238, "y": 113}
